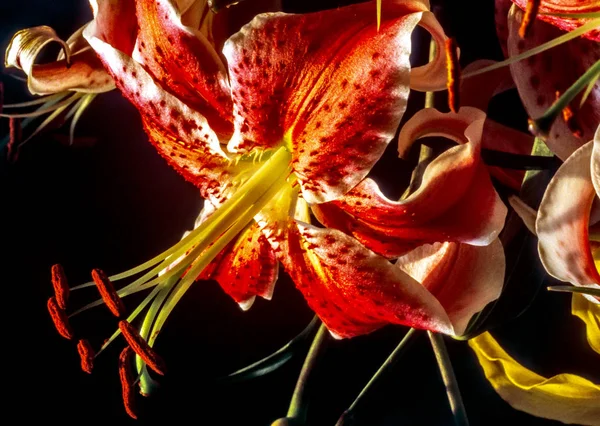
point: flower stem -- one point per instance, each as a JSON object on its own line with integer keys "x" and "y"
{"x": 570, "y": 289}
{"x": 541, "y": 125}
{"x": 297, "y": 409}
{"x": 385, "y": 368}
{"x": 452, "y": 390}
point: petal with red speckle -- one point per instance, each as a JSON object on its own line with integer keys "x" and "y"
{"x": 463, "y": 278}
{"x": 563, "y": 220}
{"x": 184, "y": 61}
{"x": 566, "y": 7}
{"x": 334, "y": 97}
{"x": 539, "y": 77}
{"x": 456, "y": 200}
{"x": 353, "y": 290}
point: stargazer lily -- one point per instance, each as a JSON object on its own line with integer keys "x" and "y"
{"x": 541, "y": 78}
{"x": 271, "y": 127}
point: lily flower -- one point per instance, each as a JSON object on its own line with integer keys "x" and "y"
{"x": 564, "y": 219}
{"x": 541, "y": 78}
{"x": 68, "y": 85}
{"x": 272, "y": 127}
{"x": 565, "y": 397}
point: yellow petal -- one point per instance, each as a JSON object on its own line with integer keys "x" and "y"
{"x": 589, "y": 313}
{"x": 568, "y": 398}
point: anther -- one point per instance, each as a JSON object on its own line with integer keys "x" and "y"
{"x": 141, "y": 347}
{"x": 15, "y": 138}
{"x": 86, "y": 353}
{"x": 60, "y": 320}
{"x": 61, "y": 286}
{"x": 127, "y": 382}
{"x": 569, "y": 117}
{"x": 453, "y": 81}
{"x": 531, "y": 11}
{"x": 108, "y": 293}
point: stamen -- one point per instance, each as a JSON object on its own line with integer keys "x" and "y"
{"x": 86, "y": 353}
{"x": 569, "y": 117}
{"x": 141, "y": 348}
{"x": 127, "y": 382}
{"x": 61, "y": 286}
{"x": 108, "y": 293}
{"x": 541, "y": 126}
{"x": 60, "y": 320}
{"x": 531, "y": 11}
{"x": 453, "y": 82}
{"x": 15, "y": 138}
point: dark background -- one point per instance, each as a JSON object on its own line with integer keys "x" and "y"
{"x": 116, "y": 203}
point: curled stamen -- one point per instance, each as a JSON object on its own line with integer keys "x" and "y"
{"x": 61, "y": 286}
{"x": 531, "y": 11}
{"x": 60, "y": 320}
{"x": 453, "y": 82}
{"x": 127, "y": 381}
{"x": 108, "y": 293}
{"x": 141, "y": 348}
{"x": 86, "y": 353}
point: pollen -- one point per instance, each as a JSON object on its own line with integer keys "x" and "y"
{"x": 531, "y": 12}
{"x": 568, "y": 116}
{"x": 141, "y": 348}
{"x": 61, "y": 286}
{"x": 453, "y": 82}
{"x": 108, "y": 293}
{"x": 59, "y": 318}
{"x": 86, "y": 353}
{"x": 127, "y": 382}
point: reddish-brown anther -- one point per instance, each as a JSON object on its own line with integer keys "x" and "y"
{"x": 61, "y": 286}
{"x": 108, "y": 293}
{"x": 531, "y": 11}
{"x": 453, "y": 83}
{"x": 141, "y": 347}
{"x": 86, "y": 353}
{"x": 127, "y": 381}
{"x": 569, "y": 116}
{"x": 59, "y": 318}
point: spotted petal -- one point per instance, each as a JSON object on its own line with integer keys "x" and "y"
{"x": 565, "y": 397}
{"x": 184, "y": 61}
{"x": 548, "y": 7}
{"x": 334, "y": 97}
{"x": 456, "y": 201}
{"x": 563, "y": 220}
{"x": 539, "y": 77}
{"x": 353, "y": 290}
{"x": 463, "y": 278}
{"x": 81, "y": 72}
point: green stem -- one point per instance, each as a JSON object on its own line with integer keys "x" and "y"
{"x": 452, "y": 390}
{"x": 388, "y": 364}
{"x": 297, "y": 409}
{"x": 541, "y": 126}
{"x": 570, "y": 289}
{"x": 538, "y": 49}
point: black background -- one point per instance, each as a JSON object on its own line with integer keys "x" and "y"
{"x": 115, "y": 204}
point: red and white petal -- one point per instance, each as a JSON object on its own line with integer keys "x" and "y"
{"x": 500, "y": 14}
{"x": 353, "y": 290}
{"x": 595, "y": 163}
{"x": 247, "y": 267}
{"x": 539, "y": 77}
{"x": 82, "y": 72}
{"x": 567, "y": 7}
{"x": 184, "y": 62}
{"x": 563, "y": 219}
{"x": 334, "y": 97}
{"x": 463, "y": 278}
{"x": 456, "y": 200}
{"x": 115, "y": 23}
